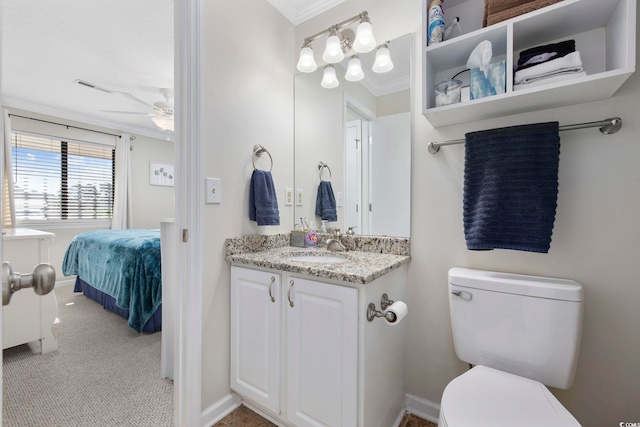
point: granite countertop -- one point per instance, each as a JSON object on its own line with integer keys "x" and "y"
{"x": 360, "y": 267}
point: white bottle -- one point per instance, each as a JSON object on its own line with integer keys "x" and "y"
{"x": 435, "y": 15}
{"x": 323, "y": 227}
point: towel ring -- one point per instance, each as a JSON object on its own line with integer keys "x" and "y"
{"x": 321, "y": 166}
{"x": 258, "y": 151}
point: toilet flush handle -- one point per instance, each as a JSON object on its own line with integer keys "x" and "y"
{"x": 462, "y": 294}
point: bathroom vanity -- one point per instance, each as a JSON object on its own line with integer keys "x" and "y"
{"x": 302, "y": 350}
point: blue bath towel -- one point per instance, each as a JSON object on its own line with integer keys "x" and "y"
{"x": 326, "y": 202}
{"x": 511, "y": 187}
{"x": 263, "y": 203}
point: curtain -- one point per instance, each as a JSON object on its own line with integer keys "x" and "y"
{"x": 122, "y": 211}
{"x": 8, "y": 203}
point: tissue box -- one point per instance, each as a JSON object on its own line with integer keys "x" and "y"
{"x": 489, "y": 82}
{"x": 297, "y": 238}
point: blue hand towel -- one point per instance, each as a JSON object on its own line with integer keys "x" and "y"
{"x": 511, "y": 187}
{"x": 263, "y": 203}
{"x": 326, "y": 202}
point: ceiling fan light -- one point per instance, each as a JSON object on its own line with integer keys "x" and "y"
{"x": 164, "y": 122}
{"x": 307, "y": 63}
{"x": 329, "y": 78}
{"x": 365, "y": 42}
{"x": 354, "y": 70}
{"x": 333, "y": 50}
{"x": 383, "y": 61}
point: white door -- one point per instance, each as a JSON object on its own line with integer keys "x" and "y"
{"x": 322, "y": 354}
{"x": 255, "y": 336}
{"x": 353, "y": 175}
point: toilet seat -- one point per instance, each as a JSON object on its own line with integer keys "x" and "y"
{"x": 486, "y": 397}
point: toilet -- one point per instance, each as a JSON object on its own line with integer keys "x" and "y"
{"x": 521, "y": 333}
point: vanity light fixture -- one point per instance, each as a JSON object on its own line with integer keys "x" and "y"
{"x": 341, "y": 40}
{"x": 307, "y": 63}
{"x": 329, "y": 78}
{"x": 354, "y": 70}
{"x": 383, "y": 61}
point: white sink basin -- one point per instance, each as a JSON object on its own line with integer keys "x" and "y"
{"x": 320, "y": 259}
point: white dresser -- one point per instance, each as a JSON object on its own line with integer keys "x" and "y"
{"x": 28, "y": 317}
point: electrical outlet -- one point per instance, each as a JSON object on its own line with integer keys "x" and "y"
{"x": 288, "y": 197}
{"x": 213, "y": 190}
{"x": 338, "y": 199}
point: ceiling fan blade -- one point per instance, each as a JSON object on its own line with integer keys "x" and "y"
{"x": 103, "y": 89}
{"x": 124, "y": 112}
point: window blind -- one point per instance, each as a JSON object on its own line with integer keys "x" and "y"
{"x": 57, "y": 180}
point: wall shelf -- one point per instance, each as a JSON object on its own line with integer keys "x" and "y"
{"x": 605, "y": 34}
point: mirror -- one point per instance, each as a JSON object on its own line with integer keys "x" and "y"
{"x": 362, "y": 132}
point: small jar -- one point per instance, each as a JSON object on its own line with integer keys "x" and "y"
{"x": 448, "y": 92}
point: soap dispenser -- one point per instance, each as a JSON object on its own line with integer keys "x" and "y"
{"x": 323, "y": 227}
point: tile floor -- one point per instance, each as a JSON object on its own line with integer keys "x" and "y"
{"x": 244, "y": 417}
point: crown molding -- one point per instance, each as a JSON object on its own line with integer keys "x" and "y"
{"x": 297, "y": 15}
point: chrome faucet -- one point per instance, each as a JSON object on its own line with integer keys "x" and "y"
{"x": 335, "y": 244}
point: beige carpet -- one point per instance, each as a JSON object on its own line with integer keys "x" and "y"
{"x": 104, "y": 374}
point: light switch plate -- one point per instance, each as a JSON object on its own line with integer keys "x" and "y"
{"x": 213, "y": 190}
{"x": 288, "y": 197}
{"x": 338, "y": 199}
{"x": 299, "y": 198}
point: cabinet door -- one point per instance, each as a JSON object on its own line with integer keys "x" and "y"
{"x": 255, "y": 336}
{"x": 322, "y": 354}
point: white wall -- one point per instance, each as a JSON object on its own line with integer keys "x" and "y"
{"x": 248, "y": 66}
{"x": 149, "y": 202}
{"x": 594, "y": 242}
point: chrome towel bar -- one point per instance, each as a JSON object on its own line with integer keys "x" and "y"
{"x": 607, "y": 127}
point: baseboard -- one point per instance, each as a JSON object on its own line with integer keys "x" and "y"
{"x": 423, "y": 408}
{"x": 400, "y": 417}
{"x": 63, "y": 283}
{"x": 220, "y": 409}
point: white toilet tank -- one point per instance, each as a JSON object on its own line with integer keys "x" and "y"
{"x": 526, "y": 325}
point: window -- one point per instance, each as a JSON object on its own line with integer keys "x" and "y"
{"x": 56, "y": 180}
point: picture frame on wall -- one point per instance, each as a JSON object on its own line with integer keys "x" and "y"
{"x": 161, "y": 174}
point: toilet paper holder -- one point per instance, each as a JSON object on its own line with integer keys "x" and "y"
{"x": 385, "y": 303}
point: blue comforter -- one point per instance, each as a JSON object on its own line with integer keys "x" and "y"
{"x": 124, "y": 264}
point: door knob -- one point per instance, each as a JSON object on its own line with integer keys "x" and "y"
{"x": 43, "y": 280}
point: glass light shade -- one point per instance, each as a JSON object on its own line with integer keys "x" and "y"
{"x": 354, "y": 70}
{"x": 164, "y": 122}
{"x": 329, "y": 79}
{"x": 307, "y": 63}
{"x": 365, "y": 42}
{"x": 383, "y": 60}
{"x": 333, "y": 52}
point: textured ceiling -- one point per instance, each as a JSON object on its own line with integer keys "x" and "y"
{"x": 122, "y": 45}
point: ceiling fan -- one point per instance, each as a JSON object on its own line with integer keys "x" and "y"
{"x": 163, "y": 111}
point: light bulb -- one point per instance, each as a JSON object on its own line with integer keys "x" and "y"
{"x": 329, "y": 78}
{"x": 164, "y": 122}
{"x": 354, "y": 70}
{"x": 365, "y": 42}
{"x": 307, "y": 63}
{"x": 383, "y": 61}
{"x": 333, "y": 51}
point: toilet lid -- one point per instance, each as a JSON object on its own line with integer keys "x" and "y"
{"x": 486, "y": 397}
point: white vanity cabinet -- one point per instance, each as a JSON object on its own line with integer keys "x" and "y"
{"x": 28, "y": 317}
{"x": 256, "y": 326}
{"x": 303, "y": 353}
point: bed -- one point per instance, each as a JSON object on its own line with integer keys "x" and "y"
{"x": 120, "y": 269}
